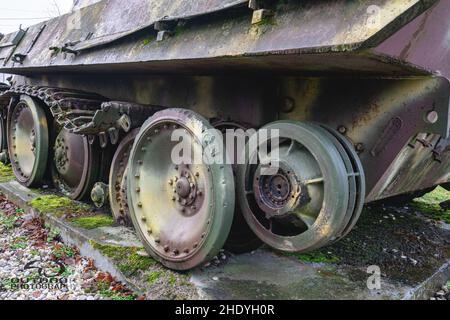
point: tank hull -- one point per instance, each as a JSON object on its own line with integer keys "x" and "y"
{"x": 357, "y": 91}
{"x": 385, "y": 118}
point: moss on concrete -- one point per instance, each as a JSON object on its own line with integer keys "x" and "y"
{"x": 428, "y": 205}
{"x": 154, "y": 277}
{"x": 59, "y": 206}
{"x": 93, "y": 222}
{"x": 6, "y": 173}
{"x": 316, "y": 257}
{"x": 127, "y": 259}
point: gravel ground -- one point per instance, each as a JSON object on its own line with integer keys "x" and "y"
{"x": 36, "y": 265}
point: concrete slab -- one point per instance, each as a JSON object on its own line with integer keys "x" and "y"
{"x": 265, "y": 274}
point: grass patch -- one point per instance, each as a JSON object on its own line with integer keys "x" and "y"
{"x": 58, "y": 206}
{"x": 429, "y": 205}
{"x": 93, "y": 222}
{"x": 127, "y": 259}
{"x": 6, "y": 173}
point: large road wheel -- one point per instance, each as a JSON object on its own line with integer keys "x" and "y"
{"x": 311, "y": 198}
{"x": 182, "y": 212}
{"x": 76, "y": 164}
{"x": 118, "y": 179}
{"x": 28, "y": 141}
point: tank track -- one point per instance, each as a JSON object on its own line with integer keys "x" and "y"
{"x": 87, "y": 113}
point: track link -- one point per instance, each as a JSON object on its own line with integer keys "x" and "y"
{"x": 87, "y": 113}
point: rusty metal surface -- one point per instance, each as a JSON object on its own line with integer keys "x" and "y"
{"x": 381, "y": 120}
{"x": 298, "y": 27}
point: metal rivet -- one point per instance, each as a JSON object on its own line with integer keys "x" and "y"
{"x": 186, "y": 250}
{"x": 342, "y": 129}
{"x": 144, "y": 219}
{"x": 166, "y": 248}
{"x": 139, "y": 204}
{"x": 149, "y": 231}
{"x": 176, "y": 252}
{"x": 171, "y": 182}
{"x": 360, "y": 147}
{"x": 157, "y": 241}
{"x": 197, "y": 174}
{"x": 138, "y": 189}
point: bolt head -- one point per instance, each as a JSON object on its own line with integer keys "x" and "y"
{"x": 342, "y": 129}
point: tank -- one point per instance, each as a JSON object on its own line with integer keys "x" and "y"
{"x": 335, "y": 103}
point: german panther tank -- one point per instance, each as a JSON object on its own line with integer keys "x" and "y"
{"x": 356, "y": 94}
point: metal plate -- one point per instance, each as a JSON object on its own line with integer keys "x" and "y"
{"x": 182, "y": 212}
{"x": 28, "y": 141}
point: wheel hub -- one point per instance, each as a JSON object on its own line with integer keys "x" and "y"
{"x": 183, "y": 187}
{"x": 274, "y": 191}
{"x": 187, "y": 193}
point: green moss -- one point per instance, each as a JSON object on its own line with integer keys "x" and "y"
{"x": 179, "y": 29}
{"x": 316, "y": 257}
{"x": 429, "y": 205}
{"x": 59, "y": 206}
{"x": 6, "y": 173}
{"x": 93, "y": 222}
{"x": 127, "y": 259}
{"x": 147, "y": 41}
{"x": 154, "y": 277}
